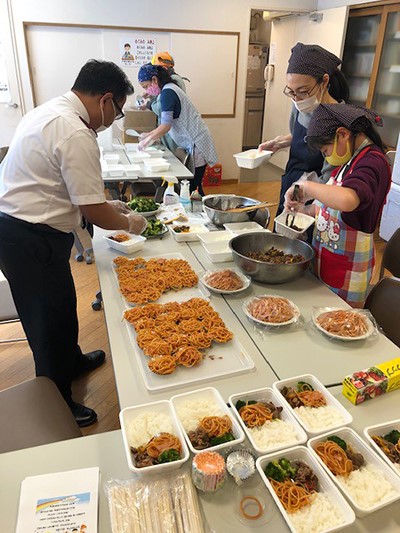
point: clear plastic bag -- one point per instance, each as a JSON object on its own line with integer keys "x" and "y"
{"x": 256, "y": 311}
{"x": 344, "y": 324}
{"x": 167, "y": 504}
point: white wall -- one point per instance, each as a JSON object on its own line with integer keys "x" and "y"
{"x": 327, "y": 4}
{"x": 221, "y": 15}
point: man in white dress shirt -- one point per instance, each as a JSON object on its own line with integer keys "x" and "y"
{"x": 50, "y": 178}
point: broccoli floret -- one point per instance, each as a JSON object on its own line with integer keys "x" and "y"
{"x": 340, "y": 442}
{"x": 241, "y": 403}
{"x": 227, "y": 437}
{"x": 393, "y": 436}
{"x": 273, "y": 470}
{"x": 167, "y": 456}
{"x": 288, "y": 467}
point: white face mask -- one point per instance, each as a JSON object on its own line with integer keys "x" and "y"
{"x": 103, "y": 127}
{"x": 308, "y": 105}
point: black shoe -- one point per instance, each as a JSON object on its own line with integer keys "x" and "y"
{"x": 88, "y": 362}
{"x": 84, "y": 416}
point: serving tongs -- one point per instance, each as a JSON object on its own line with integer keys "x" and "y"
{"x": 295, "y": 198}
{"x": 244, "y": 209}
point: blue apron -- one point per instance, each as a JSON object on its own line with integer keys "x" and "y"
{"x": 300, "y": 160}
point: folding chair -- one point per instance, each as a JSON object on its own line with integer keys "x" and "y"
{"x": 8, "y": 313}
{"x": 384, "y": 304}
{"x": 391, "y": 256}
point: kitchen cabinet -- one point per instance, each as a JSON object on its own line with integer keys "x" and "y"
{"x": 371, "y": 63}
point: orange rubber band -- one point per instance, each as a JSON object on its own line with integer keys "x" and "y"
{"x": 254, "y": 500}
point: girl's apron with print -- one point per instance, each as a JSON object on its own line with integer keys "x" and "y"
{"x": 189, "y": 130}
{"x": 344, "y": 257}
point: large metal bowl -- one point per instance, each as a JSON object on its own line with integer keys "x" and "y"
{"x": 215, "y": 208}
{"x": 269, "y": 272}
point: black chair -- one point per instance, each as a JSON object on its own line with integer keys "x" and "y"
{"x": 391, "y": 256}
{"x": 384, "y": 304}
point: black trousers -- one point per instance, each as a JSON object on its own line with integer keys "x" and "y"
{"x": 35, "y": 260}
{"x": 197, "y": 181}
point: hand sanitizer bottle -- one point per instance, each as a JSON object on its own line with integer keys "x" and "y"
{"x": 170, "y": 196}
{"x": 185, "y": 195}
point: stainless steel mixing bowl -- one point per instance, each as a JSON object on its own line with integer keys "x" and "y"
{"x": 269, "y": 272}
{"x": 215, "y": 208}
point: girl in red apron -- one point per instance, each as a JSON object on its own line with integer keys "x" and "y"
{"x": 347, "y": 209}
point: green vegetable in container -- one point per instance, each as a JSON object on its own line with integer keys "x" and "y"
{"x": 167, "y": 456}
{"x": 288, "y": 467}
{"x": 141, "y": 205}
{"x": 274, "y": 470}
{"x": 340, "y": 442}
{"x": 227, "y": 437}
{"x": 303, "y": 386}
{"x": 393, "y": 436}
{"x": 154, "y": 227}
{"x": 241, "y": 403}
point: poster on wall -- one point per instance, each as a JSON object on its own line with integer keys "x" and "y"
{"x": 5, "y": 95}
{"x": 136, "y": 51}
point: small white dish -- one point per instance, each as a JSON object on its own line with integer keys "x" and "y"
{"x": 156, "y": 164}
{"x": 111, "y": 158}
{"x": 370, "y": 325}
{"x": 246, "y": 280}
{"x": 188, "y": 236}
{"x": 134, "y": 244}
{"x": 209, "y": 393}
{"x": 246, "y": 303}
{"x": 163, "y": 407}
{"x": 138, "y": 157}
{"x": 218, "y": 252}
{"x": 238, "y": 228}
{"x": 131, "y": 170}
{"x": 252, "y": 158}
{"x": 116, "y": 170}
{"x": 216, "y": 236}
{"x": 300, "y": 220}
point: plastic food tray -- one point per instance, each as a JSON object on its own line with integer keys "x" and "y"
{"x": 237, "y": 228}
{"x": 135, "y": 243}
{"x": 163, "y": 407}
{"x": 218, "y": 252}
{"x": 116, "y": 170}
{"x": 181, "y": 295}
{"x": 252, "y": 158}
{"x": 191, "y": 235}
{"x": 212, "y": 394}
{"x": 300, "y": 220}
{"x": 382, "y": 429}
{"x": 351, "y": 437}
{"x": 131, "y": 170}
{"x": 216, "y": 236}
{"x": 300, "y": 453}
{"x": 156, "y": 164}
{"x": 268, "y": 395}
{"x": 138, "y": 157}
{"x": 330, "y": 400}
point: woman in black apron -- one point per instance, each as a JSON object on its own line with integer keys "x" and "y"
{"x": 312, "y": 78}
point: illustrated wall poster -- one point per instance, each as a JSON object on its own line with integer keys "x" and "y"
{"x": 136, "y": 51}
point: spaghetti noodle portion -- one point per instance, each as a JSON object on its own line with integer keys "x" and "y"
{"x": 334, "y": 457}
{"x": 142, "y": 281}
{"x": 174, "y": 334}
{"x": 224, "y": 280}
{"x": 162, "y": 442}
{"x": 216, "y": 426}
{"x": 343, "y": 323}
{"x": 271, "y": 309}
{"x": 256, "y": 414}
{"x": 292, "y": 495}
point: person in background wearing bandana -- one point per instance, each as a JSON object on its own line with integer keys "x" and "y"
{"x": 312, "y": 78}
{"x": 181, "y": 120}
{"x": 50, "y": 178}
{"x": 347, "y": 209}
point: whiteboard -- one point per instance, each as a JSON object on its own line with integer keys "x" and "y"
{"x": 57, "y": 52}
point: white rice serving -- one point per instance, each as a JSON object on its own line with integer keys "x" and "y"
{"x": 368, "y": 486}
{"x": 192, "y": 411}
{"x": 317, "y": 418}
{"x": 143, "y": 427}
{"x": 319, "y": 516}
{"x": 273, "y": 434}
{"x": 397, "y": 467}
